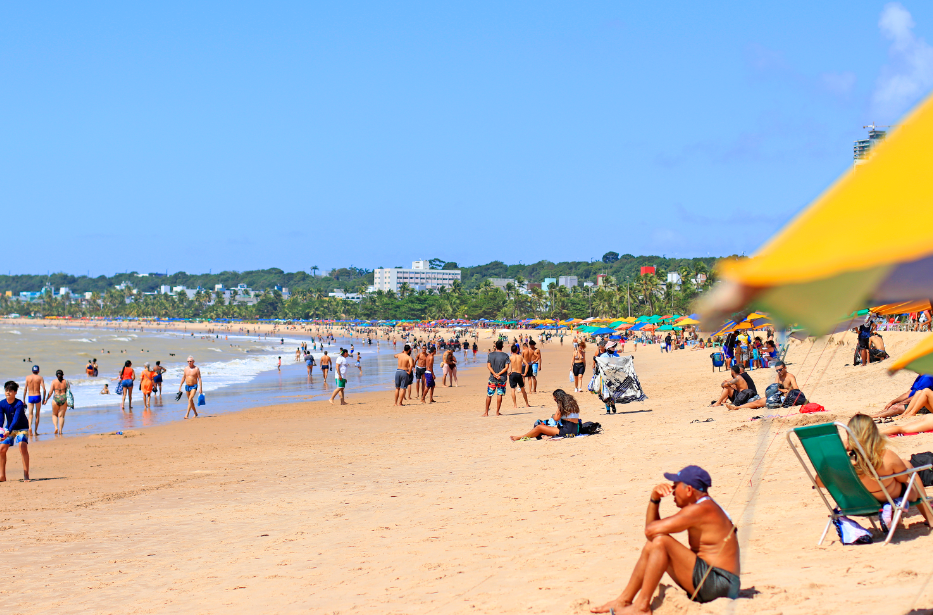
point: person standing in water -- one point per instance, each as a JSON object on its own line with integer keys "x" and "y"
{"x": 58, "y": 393}
{"x": 127, "y": 378}
{"x": 191, "y": 379}
{"x": 33, "y": 396}
{"x": 157, "y": 378}
{"x": 145, "y": 384}
{"x": 325, "y": 366}
{"x": 340, "y": 377}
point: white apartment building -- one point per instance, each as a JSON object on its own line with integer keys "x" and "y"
{"x": 419, "y": 277}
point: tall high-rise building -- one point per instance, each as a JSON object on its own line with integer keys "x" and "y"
{"x": 862, "y": 148}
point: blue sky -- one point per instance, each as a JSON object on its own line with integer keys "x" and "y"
{"x": 208, "y": 136}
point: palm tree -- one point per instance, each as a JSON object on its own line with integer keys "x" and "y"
{"x": 314, "y": 269}
{"x": 648, "y": 289}
{"x": 404, "y": 290}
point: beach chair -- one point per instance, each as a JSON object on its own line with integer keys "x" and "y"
{"x": 833, "y": 465}
{"x": 782, "y": 351}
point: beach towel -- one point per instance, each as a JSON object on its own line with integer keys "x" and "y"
{"x": 850, "y": 532}
{"x": 811, "y": 407}
{"x": 620, "y": 382}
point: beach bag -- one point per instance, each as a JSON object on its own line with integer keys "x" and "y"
{"x": 201, "y": 401}
{"x": 811, "y": 408}
{"x": 850, "y": 532}
{"x": 741, "y": 397}
{"x": 773, "y": 388}
{"x": 71, "y": 399}
{"x": 571, "y": 375}
{"x": 590, "y": 428}
{"x": 596, "y": 384}
{"x": 119, "y": 387}
{"x": 794, "y": 397}
{"x": 921, "y": 459}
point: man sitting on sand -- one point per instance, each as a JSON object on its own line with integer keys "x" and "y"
{"x": 918, "y": 399}
{"x": 740, "y": 389}
{"x": 706, "y": 569}
{"x": 785, "y": 380}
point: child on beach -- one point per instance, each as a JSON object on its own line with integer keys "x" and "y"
{"x": 15, "y": 424}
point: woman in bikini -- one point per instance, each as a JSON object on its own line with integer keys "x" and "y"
{"x": 578, "y": 366}
{"x": 884, "y": 461}
{"x": 565, "y": 422}
{"x": 58, "y": 393}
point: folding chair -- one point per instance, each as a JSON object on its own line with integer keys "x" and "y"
{"x": 833, "y": 465}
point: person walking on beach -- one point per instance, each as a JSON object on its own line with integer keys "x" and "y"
{"x": 191, "y": 380}
{"x": 340, "y": 377}
{"x": 429, "y": 378}
{"x": 403, "y": 374}
{"x": 536, "y": 364}
{"x": 421, "y": 366}
{"x": 516, "y": 380}
{"x": 452, "y": 368}
{"x": 146, "y": 382}
{"x": 309, "y": 362}
{"x": 15, "y": 429}
{"x": 498, "y": 364}
{"x": 157, "y": 378}
{"x": 325, "y": 366}
{"x": 127, "y": 378}
{"x": 359, "y": 363}
{"x": 707, "y": 568}
{"x": 58, "y": 393}
{"x": 33, "y": 397}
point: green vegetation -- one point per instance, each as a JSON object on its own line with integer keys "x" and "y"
{"x": 623, "y": 292}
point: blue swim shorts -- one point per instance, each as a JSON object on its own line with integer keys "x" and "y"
{"x": 16, "y": 437}
{"x": 34, "y": 399}
{"x": 534, "y": 369}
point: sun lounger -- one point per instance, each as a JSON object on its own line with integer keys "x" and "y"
{"x": 833, "y": 465}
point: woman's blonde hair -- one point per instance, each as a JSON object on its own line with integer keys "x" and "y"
{"x": 582, "y": 345}
{"x": 874, "y": 444}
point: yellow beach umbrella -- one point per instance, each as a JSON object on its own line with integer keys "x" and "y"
{"x": 810, "y": 272}
{"x": 918, "y": 359}
{"x": 687, "y": 321}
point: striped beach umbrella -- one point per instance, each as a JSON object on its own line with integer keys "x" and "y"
{"x": 822, "y": 264}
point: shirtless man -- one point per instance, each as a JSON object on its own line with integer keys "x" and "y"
{"x": 706, "y": 569}
{"x": 785, "y": 381}
{"x": 191, "y": 379}
{"x": 535, "y": 366}
{"x": 33, "y": 395}
{"x": 420, "y": 368}
{"x": 402, "y": 373}
{"x": 528, "y": 356}
{"x": 516, "y": 380}
{"x": 325, "y": 366}
{"x": 429, "y": 379}
{"x": 732, "y": 388}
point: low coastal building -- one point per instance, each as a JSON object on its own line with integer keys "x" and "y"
{"x": 419, "y": 277}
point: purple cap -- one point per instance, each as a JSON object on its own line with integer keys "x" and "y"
{"x": 695, "y": 476}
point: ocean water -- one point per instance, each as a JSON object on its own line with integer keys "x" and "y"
{"x": 239, "y": 371}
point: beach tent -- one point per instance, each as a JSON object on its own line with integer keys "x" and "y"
{"x": 603, "y": 331}
{"x": 809, "y": 273}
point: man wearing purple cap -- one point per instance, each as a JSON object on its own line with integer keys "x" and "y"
{"x": 706, "y": 569}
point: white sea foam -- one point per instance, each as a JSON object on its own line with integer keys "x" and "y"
{"x": 83, "y": 339}
{"x": 122, "y": 339}
{"x": 13, "y": 332}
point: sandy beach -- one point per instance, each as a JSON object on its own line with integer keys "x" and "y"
{"x": 431, "y": 509}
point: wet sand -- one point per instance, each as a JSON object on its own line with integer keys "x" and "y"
{"x": 431, "y": 509}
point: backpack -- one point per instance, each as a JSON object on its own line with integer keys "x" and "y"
{"x": 794, "y": 397}
{"x": 590, "y": 429}
{"x": 921, "y": 459}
